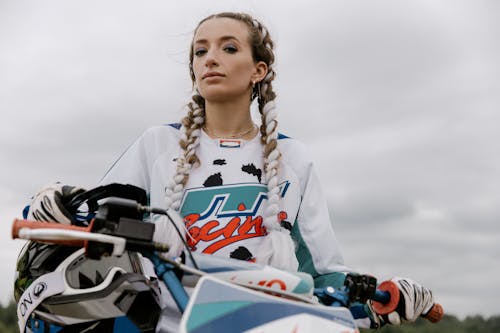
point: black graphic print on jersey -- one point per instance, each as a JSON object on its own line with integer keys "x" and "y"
{"x": 242, "y": 253}
{"x": 287, "y": 225}
{"x": 213, "y": 180}
{"x": 252, "y": 170}
{"x": 220, "y": 162}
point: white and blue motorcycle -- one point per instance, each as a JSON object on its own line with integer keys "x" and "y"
{"x": 95, "y": 278}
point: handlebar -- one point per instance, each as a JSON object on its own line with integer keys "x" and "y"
{"x": 19, "y": 231}
{"x": 62, "y": 234}
{"x": 384, "y": 299}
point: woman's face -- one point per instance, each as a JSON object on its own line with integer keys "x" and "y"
{"x": 223, "y": 65}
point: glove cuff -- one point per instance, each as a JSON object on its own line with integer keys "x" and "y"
{"x": 376, "y": 321}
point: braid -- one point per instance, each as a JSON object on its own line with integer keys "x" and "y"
{"x": 190, "y": 140}
{"x": 278, "y": 248}
{"x": 268, "y": 130}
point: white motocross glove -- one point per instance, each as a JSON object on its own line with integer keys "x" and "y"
{"x": 414, "y": 301}
{"x": 48, "y": 205}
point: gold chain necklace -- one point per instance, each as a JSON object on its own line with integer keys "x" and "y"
{"x": 234, "y": 136}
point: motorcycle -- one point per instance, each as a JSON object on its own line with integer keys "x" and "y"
{"x": 229, "y": 295}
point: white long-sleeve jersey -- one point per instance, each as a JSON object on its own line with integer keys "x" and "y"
{"x": 224, "y": 199}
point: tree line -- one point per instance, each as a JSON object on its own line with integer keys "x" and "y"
{"x": 451, "y": 324}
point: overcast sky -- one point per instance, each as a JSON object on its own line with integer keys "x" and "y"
{"x": 398, "y": 101}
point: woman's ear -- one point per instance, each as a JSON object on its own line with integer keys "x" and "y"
{"x": 260, "y": 71}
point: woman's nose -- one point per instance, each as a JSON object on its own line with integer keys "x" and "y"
{"x": 211, "y": 59}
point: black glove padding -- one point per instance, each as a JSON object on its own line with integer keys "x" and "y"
{"x": 48, "y": 205}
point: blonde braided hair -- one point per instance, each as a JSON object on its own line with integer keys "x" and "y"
{"x": 190, "y": 140}
{"x": 277, "y": 248}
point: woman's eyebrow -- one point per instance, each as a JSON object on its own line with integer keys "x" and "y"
{"x": 222, "y": 39}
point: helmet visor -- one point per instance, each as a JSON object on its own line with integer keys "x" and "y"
{"x": 82, "y": 272}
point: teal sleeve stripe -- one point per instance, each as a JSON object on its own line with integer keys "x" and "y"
{"x": 335, "y": 280}
{"x": 302, "y": 252}
{"x": 306, "y": 264}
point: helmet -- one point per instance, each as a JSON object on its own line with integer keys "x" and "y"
{"x": 60, "y": 289}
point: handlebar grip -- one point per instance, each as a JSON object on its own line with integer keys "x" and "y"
{"x": 386, "y": 300}
{"x": 19, "y": 224}
{"x": 435, "y": 314}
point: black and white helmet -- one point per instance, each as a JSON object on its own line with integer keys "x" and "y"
{"x": 60, "y": 289}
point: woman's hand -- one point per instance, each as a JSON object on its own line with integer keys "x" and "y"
{"x": 48, "y": 204}
{"x": 414, "y": 301}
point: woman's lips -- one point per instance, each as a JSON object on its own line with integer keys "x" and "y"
{"x": 212, "y": 74}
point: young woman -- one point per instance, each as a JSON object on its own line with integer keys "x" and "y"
{"x": 244, "y": 190}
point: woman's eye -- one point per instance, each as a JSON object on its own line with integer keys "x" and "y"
{"x": 230, "y": 49}
{"x": 199, "y": 52}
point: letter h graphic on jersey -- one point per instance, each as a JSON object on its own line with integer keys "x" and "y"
{"x": 226, "y": 200}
